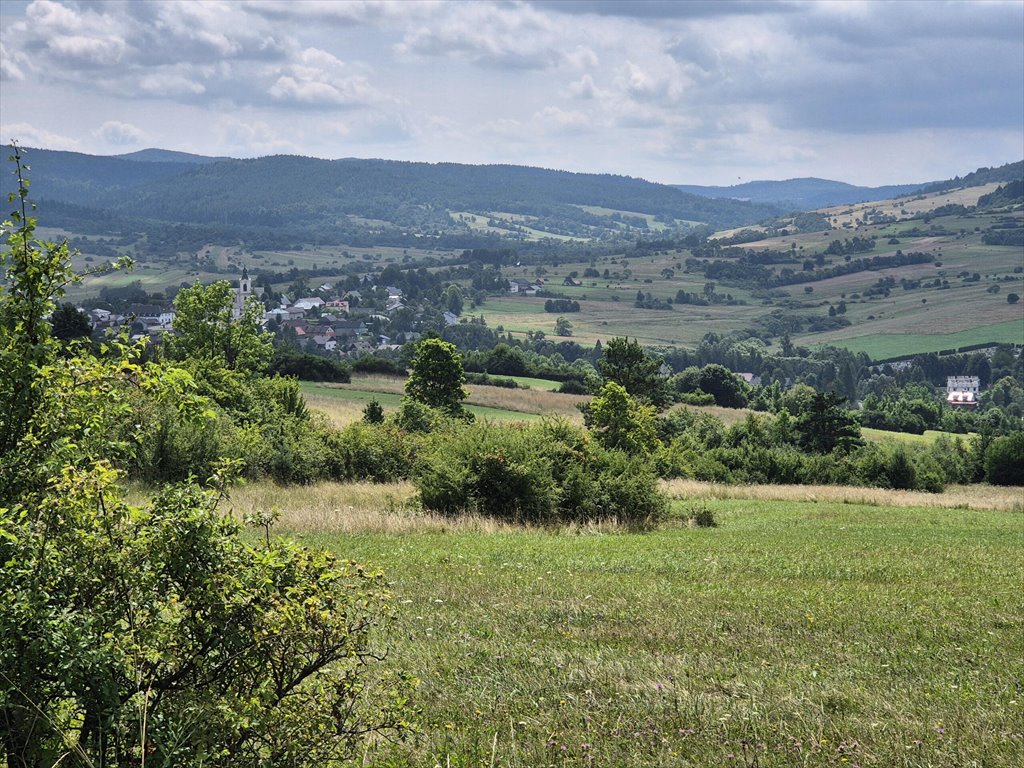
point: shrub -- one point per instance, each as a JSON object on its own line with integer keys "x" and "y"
{"x": 1004, "y": 460}
{"x": 373, "y": 413}
{"x": 308, "y": 367}
{"x": 378, "y": 365}
{"x": 414, "y": 416}
{"x": 696, "y": 398}
{"x": 573, "y": 387}
{"x": 547, "y": 473}
{"x": 701, "y": 516}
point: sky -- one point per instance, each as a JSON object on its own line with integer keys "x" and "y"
{"x": 681, "y": 92}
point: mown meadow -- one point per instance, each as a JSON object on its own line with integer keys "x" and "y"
{"x": 812, "y": 626}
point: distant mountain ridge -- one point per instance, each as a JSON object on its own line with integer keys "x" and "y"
{"x": 802, "y": 194}
{"x": 303, "y": 193}
{"x": 351, "y": 199}
{"x": 153, "y": 155}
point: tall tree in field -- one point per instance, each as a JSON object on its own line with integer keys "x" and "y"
{"x": 823, "y": 425}
{"x": 436, "y": 378}
{"x": 627, "y": 363}
{"x": 206, "y": 332}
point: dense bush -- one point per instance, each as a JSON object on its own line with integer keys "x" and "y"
{"x": 1004, "y": 460}
{"x": 302, "y": 365}
{"x": 573, "y": 387}
{"x": 379, "y": 365}
{"x": 542, "y": 474}
{"x": 159, "y": 635}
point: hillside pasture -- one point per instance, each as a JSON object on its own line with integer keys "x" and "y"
{"x": 915, "y": 204}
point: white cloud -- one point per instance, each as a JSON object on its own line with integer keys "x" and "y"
{"x": 119, "y": 134}
{"x": 319, "y": 79}
{"x": 674, "y": 91}
{"x": 79, "y": 50}
{"x": 169, "y": 84}
{"x": 505, "y": 37}
{"x": 554, "y": 119}
{"x": 246, "y": 139}
{"x": 11, "y": 63}
{"x": 30, "y": 136}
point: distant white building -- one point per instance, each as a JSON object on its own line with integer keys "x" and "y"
{"x": 307, "y": 303}
{"x": 962, "y": 391}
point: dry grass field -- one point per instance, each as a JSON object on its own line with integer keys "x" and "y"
{"x": 392, "y": 507}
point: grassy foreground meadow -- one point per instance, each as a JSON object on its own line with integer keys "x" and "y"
{"x": 826, "y": 627}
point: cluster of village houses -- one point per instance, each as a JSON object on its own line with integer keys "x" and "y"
{"x": 326, "y": 326}
{"x": 318, "y": 325}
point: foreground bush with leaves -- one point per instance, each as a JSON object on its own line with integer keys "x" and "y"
{"x": 160, "y": 631}
{"x": 155, "y": 635}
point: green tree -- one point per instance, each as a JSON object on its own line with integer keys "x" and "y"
{"x": 563, "y": 327}
{"x": 823, "y": 425}
{"x": 373, "y": 413}
{"x": 1004, "y": 460}
{"x": 453, "y": 299}
{"x": 206, "y": 332}
{"x": 69, "y": 323}
{"x": 627, "y": 363}
{"x": 728, "y": 389}
{"x": 621, "y": 423}
{"x": 436, "y": 378}
{"x": 505, "y": 360}
{"x": 155, "y": 633}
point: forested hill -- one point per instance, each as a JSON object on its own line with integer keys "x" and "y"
{"x": 802, "y": 194}
{"x": 306, "y": 192}
{"x": 73, "y": 177}
{"x": 1004, "y": 173}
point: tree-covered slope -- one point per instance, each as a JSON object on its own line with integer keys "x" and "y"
{"x": 1003, "y": 173}
{"x": 82, "y": 179}
{"x": 302, "y": 191}
{"x": 308, "y": 188}
{"x": 169, "y": 156}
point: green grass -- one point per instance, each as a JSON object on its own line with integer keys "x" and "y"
{"x": 883, "y": 435}
{"x": 822, "y": 634}
{"x": 546, "y": 384}
{"x": 882, "y": 346}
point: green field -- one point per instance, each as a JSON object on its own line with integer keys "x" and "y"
{"x": 884, "y": 346}
{"x": 795, "y": 634}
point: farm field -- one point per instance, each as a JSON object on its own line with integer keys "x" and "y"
{"x": 844, "y": 627}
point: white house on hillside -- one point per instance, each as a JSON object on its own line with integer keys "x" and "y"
{"x": 962, "y": 391}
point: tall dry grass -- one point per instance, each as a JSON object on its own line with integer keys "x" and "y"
{"x": 388, "y": 508}
{"x": 535, "y": 401}
{"x": 979, "y": 497}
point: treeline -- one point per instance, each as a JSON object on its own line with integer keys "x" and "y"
{"x": 750, "y": 271}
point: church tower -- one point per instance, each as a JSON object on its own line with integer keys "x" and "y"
{"x": 242, "y": 292}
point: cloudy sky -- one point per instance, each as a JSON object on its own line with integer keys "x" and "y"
{"x": 698, "y": 92}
